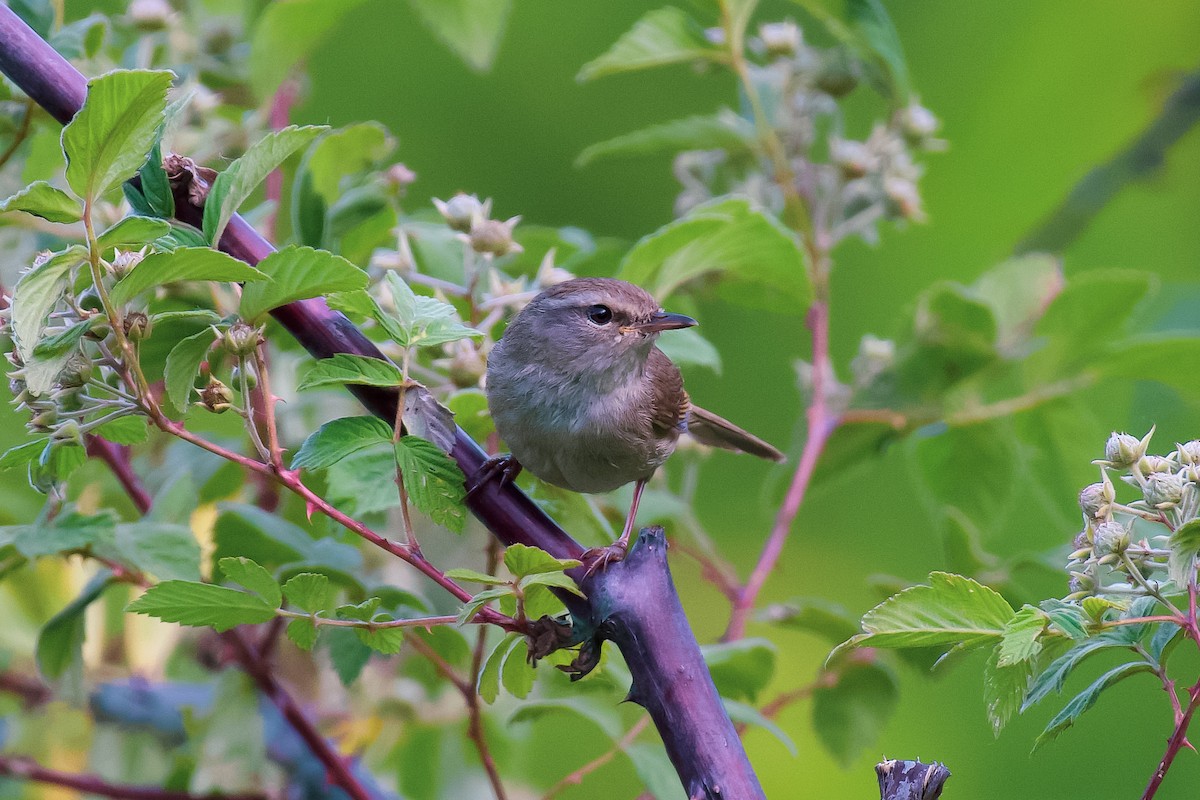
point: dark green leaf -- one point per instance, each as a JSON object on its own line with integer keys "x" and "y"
{"x": 602, "y": 714}
{"x": 340, "y": 438}
{"x": 347, "y": 654}
{"x": 472, "y": 29}
{"x": 724, "y": 130}
{"x": 816, "y": 615}
{"x": 43, "y": 200}
{"x": 298, "y": 273}
{"x": 239, "y": 180}
{"x": 183, "y": 363}
{"x": 251, "y": 575}
{"x": 201, "y": 604}
{"x": 60, "y": 640}
{"x": 850, "y": 715}
{"x": 664, "y": 36}
{"x": 155, "y": 186}
{"x": 870, "y": 19}
{"x": 110, "y": 137}
{"x": 302, "y": 632}
{"x": 346, "y": 368}
{"x": 35, "y": 295}
{"x": 133, "y": 230}
{"x": 182, "y": 264}
{"x": 517, "y": 674}
{"x": 741, "y": 669}
{"x": 1067, "y": 617}
{"x": 310, "y": 592}
{"x": 286, "y": 33}
{"x": 1087, "y": 698}
{"x": 488, "y": 684}
{"x": 433, "y": 481}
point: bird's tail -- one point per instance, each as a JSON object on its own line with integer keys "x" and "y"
{"x": 707, "y": 428}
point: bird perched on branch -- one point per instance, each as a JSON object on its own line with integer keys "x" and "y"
{"x": 586, "y": 401}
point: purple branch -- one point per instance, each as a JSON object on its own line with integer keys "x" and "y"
{"x": 27, "y": 769}
{"x": 117, "y": 459}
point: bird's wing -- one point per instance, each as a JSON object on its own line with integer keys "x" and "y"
{"x": 707, "y": 428}
{"x": 669, "y": 403}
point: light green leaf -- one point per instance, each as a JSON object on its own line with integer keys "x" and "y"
{"x": 652, "y": 765}
{"x": 108, "y": 140}
{"x": 182, "y": 264}
{"x": 1185, "y": 546}
{"x": 523, "y": 560}
{"x": 1086, "y": 317}
{"x": 286, "y": 33}
{"x": 43, "y": 200}
{"x": 745, "y": 714}
{"x": 687, "y": 346}
{"x": 164, "y": 550}
{"x": 346, "y": 368}
{"x": 183, "y": 363}
{"x": 967, "y": 467}
{"x": 850, "y": 715}
{"x": 335, "y": 155}
{"x": 309, "y": 591}
{"x": 730, "y": 239}
{"x": 133, "y": 230}
{"x": 60, "y": 640}
{"x": 870, "y": 19}
{"x": 1018, "y": 291}
{"x": 1020, "y": 639}
{"x": 472, "y": 29}
{"x": 472, "y": 606}
{"x": 1087, "y": 698}
{"x": 724, "y": 130}
{"x": 64, "y": 340}
{"x": 340, "y": 438}
{"x": 36, "y": 294}
{"x": 433, "y": 481}
{"x": 470, "y": 410}
{"x": 517, "y": 674}
{"x": 665, "y": 36}
{"x": 815, "y": 615}
{"x": 20, "y": 455}
{"x": 302, "y": 632}
{"x": 556, "y": 580}
{"x": 67, "y": 532}
{"x": 488, "y": 684}
{"x": 601, "y": 714}
{"x": 124, "y": 430}
{"x": 741, "y": 669}
{"x": 254, "y": 577}
{"x": 474, "y": 576}
{"x": 201, "y": 604}
{"x": 298, "y": 273}
{"x": 1003, "y": 689}
{"x": 239, "y": 180}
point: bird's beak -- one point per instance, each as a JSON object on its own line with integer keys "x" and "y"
{"x": 663, "y": 321}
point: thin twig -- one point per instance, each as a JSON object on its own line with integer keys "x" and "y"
{"x": 21, "y": 133}
{"x": 576, "y": 777}
{"x": 28, "y": 769}
{"x": 117, "y": 459}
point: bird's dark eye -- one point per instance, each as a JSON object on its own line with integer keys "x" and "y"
{"x": 601, "y": 315}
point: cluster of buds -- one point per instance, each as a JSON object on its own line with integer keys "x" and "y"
{"x": 1124, "y": 548}
{"x": 472, "y": 219}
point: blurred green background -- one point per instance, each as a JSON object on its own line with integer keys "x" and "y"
{"x": 1031, "y": 95}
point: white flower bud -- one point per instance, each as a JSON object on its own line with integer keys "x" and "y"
{"x": 854, "y": 158}
{"x": 494, "y": 237}
{"x": 1122, "y": 451}
{"x": 918, "y": 122}
{"x": 1095, "y": 499}
{"x": 463, "y": 211}
{"x": 1188, "y": 453}
{"x": 1111, "y": 538}
{"x": 1163, "y": 490}
{"x": 150, "y": 15}
{"x": 781, "y": 38}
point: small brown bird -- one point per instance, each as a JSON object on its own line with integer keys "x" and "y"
{"x": 585, "y": 400}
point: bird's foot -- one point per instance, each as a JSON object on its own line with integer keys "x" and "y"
{"x": 504, "y": 466}
{"x": 596, "y": 559}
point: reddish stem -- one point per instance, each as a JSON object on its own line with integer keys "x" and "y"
{"x": 278, "y": 118}
{"x": 1176, "y": 743}
{"x": 27, "y": 769}
{"x": 117, "y": 459}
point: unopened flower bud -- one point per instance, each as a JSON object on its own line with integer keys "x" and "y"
{"x": 1163, "y": 490}
{"x": 43, "y": 420}
{"x": 904, "y": 201}
{"x": 918, "y": 122}
{"x": 875, "y": 356}
{"x": 1111, "y": 538}
{"x": 463, "y": 211}
{"x": 1189, "y": 453}
{"x": 137, "y": 326}
{"x": 68, "y": 432}
{"x": 76, "y": 372}
{"x": 399, "y": 177}
{"x": 1095, "y": 499}
{"x": 236, "y": 377}
{"x": 241, "y": 339}
{"x": 149, "y": 15}
{"x": 839, "y": 73}
{"x": 216, "y": 397}
{"x": 780, "y": 38}
{"x": 125, "y": 260}
{"x": 853, "y": 158}
{"x": 494, "y": 237}
{"x": 1122, "y": 451}
{"x": 467, "y": 365}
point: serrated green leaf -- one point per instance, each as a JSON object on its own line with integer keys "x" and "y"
{"x": 201, "y": 604}
{"x": 345, "y": 368}
{"x": 183, "y": 364}
{"x": 517, "y": 674}
{"x": 661, "y": 37}
{"x": 1087, "y": 698}
{"x": 124, "y": 430}
{"x": 849, "y": 716}
{"x": 474, "y": 576}
{"x": 472, "y": 606}
{"x": 488, "y": 684}
{"x": 20, "y": 455}
{"x": 254, "y": 577}
{"x": 347, "y": 653}
{"x": 36, "y": 294}
{"x": 724, "y": 130}
{"x": 1067, "y": 617}
{"x": 298, "y": 273}
{"x": 302, "y": 632}
{"x": 339, "y": 438}
{"x": 729, "y": 239}
{"x": 310, "y": 592}
{"x": 43, "y": 200}
{"x": 164, "y": 550}
{"x": 1096, "y": 607}
{"x": 182, "y": 264}
{"x": 239, "y": 180}
{"x": 60, "y": 640}
{"x": 741, "y": 669}
{"x": 1004, "y": 688}
{"x": 472, "y": 29}
{"x": 108, "y": 140}
{"x": 555, "y": 580}
{"x": 523, "y": 560}
{"x": 1019, "y": 641}
{"x": 133, "y": 230}
{"x": 1185, "y": 546}
{"x": 286, "y": 33}
{"x": 433, "y": 481}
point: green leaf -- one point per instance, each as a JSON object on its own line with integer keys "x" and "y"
{"x": 309, "y": 591}
{"x": 133, "y": 230}
{"x": 746, "y": 248}
{"x": 472, "y": 606}
{"x": 469, "y": 409}
{"x": 254, "y": 577}
{"x": 155, "y": 186}
{"x": 286, "y": 33}
{"x": 472, "y": 29}
{"x": 1170, "y": 359}
{"x": 36, "y": 294}
{"x": 267, "y": 538}
{"x": 652, "y": 765}
{"x": 365, "y": 482}
{"x": 870, "y": 19}
{"x": 1086, "y": 317}
{"x": 1087, "y": 698}
{"x": 745, "y": 714}
{"x": 1018, "y": 291}
{"x": 488, "y": 684}
{"x": 67, "y": 532}
{"x": 124, "y": 430}
{"x": 1020, "y": 639}
{"x": 424, "y": 416}
{"x": 302, "y": 632}
{"x": 517, "y": 674}
{"x": 950, "y": 611}
{"x": 724, "y": 130}
{"x": 601, "y": 714}
{"x": 474, "y": 576}
{"x": 971, "y": 467}
{"x": 850, "y": 715}
{"x": 60, "y": 640}
{"x": 298, "y": 273}
{"x": 383, "y": 640}
{"x": 347, "y": 653}
{"x": 1067, "y": 617}
{"x": 239, "y": 180}
{"x": 687, "y": 346}
{"x": 664, "y": 36}
{"x": 347, "y": 151}
{"x": 43, "y": 200}
{"x": 1003, "y": 689}
{"x": 182, "y": 264}
{"x": 1185, "y": 546}
{"x": 555, "y": 580}
{"x": 346, "y": 368}
{"x": 815, "y": 615}
{"x": 64, "y": 340}
{"x": 201, "y": 604}
{"x": 433, "y": 481}
{"x": 230, "y": 741}
{"x": 109, "y": 138}
{"x": 20, "y": 455}
{"x": 741, "y": 669}
{"x": 523, "y": 560}
{"x": 183, "y": 363}
{"x": 340, "y": 438}
{"x": 164, "y": 550}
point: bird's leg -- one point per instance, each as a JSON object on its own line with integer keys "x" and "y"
{"x": 507, "y": 467}
{"x": 600, "y": 557}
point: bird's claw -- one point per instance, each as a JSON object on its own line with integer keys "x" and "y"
{"x": 598, "y": 558}
{"x": 507, "y": 467}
